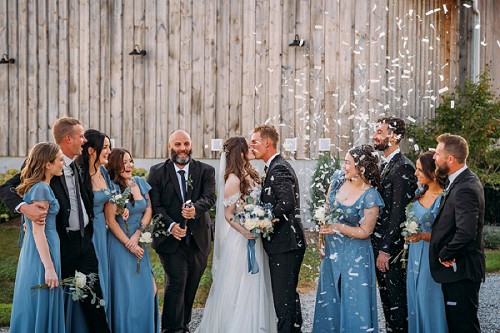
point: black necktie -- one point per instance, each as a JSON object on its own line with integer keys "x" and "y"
{"x": 446, "y": 184}
{"x": 382, "y": 167}
{"x": 183, "y": 187}
{"x": 78, "y": 198}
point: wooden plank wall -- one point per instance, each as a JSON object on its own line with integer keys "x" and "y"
{"x": 216, "y": 68}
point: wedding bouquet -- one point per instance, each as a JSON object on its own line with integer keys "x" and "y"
{"x": 258, "y": 220}
{"x": 409, "y": 227}
{"x": 321, "y": 217}
{"x": 120, "y": 200}
{"x": 80, "y": 287}
{"x": 147, "y": 237}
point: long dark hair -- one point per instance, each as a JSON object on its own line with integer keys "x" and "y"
{"x": 115, "y": 168}
{"x": 240, "y": 166}
{"x": 95, "y": 140}
{"x": 367, "y": 162}
{"x": 429, "y": 170}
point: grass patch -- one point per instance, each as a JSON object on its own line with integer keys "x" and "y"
{"x": 5, "y": 310}
{"x": 492, "y": 261}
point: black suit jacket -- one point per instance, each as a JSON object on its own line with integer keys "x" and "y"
{"x": 397, "y": 189}
{"x": 166, "y": 200}
{"x": 12, "y": 200}
{"x": 457, "y": 232}
{"x": 280, "y": 188}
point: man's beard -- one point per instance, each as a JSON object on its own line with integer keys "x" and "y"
{"x": 382, "y": 146}
{"x": 178, "y": 160}
{"x": 442, "y": 171}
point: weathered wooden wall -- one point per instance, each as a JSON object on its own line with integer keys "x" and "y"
{"x": 218, "y": 67}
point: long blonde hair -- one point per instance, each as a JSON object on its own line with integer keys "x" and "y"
{"x": 34, "y": 169}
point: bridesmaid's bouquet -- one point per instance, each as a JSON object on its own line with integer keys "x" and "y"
{"x": 321, "y": 217}
{"x": 79, "y": 286}
{"x": 258, "y": 220}
{"x": 120, "y": 200}
{"x": 409, "y": 227}
{"x": 147, "y": 237}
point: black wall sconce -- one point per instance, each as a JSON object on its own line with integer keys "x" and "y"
{"x": 297, "y": 42}
{"x": 137, "y": 51}
{"x": 6, "y": 60}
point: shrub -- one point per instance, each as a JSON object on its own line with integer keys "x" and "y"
{"x": 141, "y": 172}
{"x": 5, "y": 213}
{"x": 320, "y": 181}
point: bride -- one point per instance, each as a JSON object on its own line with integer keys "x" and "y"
{"x": 238, "y": 301}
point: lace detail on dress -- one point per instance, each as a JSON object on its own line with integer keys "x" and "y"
{"x": 232, "y": 199}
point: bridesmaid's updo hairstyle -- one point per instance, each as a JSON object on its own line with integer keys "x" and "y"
{"x": 95, "y": 140}
{"x": 367, "y": 163}
{"x": 34, "y": 168}
{"x": 234, "y": 148}
{"x": 429, "y": 170}
{"x": 115, "y": 168}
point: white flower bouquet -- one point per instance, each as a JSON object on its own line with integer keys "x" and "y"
{"x": 80, "y": 287}
{"x": 147, "y": 237}
{"x": 409, "y": 227}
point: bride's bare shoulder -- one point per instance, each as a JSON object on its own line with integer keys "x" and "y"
{"x": 232, "y": 184}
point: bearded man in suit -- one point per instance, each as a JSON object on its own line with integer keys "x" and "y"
{"x": 183, "y": 191}
{"x": 456, "y": 253}
{"x": 287, "y": 245}
{"x": 397, "y": 189}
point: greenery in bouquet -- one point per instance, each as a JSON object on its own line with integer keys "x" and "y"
{"x": 255, "y": 217}
{"x": 120, "y": 200}
{"x": 80, "y": 287}
{"x": 147, "y": 237}
{"x": 409, "y": 227}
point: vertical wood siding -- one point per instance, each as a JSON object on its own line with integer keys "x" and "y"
{"x": 216, "y": 68}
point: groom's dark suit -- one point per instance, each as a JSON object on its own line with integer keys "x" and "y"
{"x": 287, "y": 244}
{"x": 184, "y": 261}
{"x": 457, "y": 233}
{"x": 77, "y": 253}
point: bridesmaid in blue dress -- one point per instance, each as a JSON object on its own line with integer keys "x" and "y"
{"x": 40, "y": 259}
{"x": 134, "y": 306}
{"x": 426, "y": 313}
{"x": 95, "y": 154}
{"x": 346, "y": 297}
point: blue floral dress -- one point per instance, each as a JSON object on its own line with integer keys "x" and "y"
{"x": 134, "y": 306}
{"x": 426, "y": 313}
{"x": 38, "y": 310}
{"x": 346, "y": 298}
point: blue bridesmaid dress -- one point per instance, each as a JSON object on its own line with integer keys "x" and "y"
{"x": 426, "y": 313}
{"x": 134, "y": 306}
{"x": 77, "y": 322}
{"x": 38, "y": 310}
{"x": 346, "y": 298}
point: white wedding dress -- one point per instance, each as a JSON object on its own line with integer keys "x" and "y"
{"x": 238, "y": 301}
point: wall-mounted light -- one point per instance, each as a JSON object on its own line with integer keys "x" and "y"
{"x": 6, "y": 60}
{"x": 137, "y": 51}
{"x": 297, "y": 42}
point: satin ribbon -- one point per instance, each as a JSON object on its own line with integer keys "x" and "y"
{"x": 253, "y": 265}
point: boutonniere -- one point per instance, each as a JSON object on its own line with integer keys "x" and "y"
{"x": 445, "y": 193}
{"x": 190, "y": 182}
{"x": 79, "y": 168}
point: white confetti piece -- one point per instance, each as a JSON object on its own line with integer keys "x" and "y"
{"x": 318, "y": 27}
{"x": 410, "y": 13}
{"x": 416, "y": 147}
{"x": 443, "y": 90}
{"x": 467, "y": 5}
{"x": 452, "y": 104}
{"x": 477, "y": 26}
{"x": 429, "y": 12}
{"x": 441, "y": 77}
{"x": 445, "y": 8}
{"x": 413, "y": 120}
{"x": 425, "y": 40}
{"x": 498, "y": 43}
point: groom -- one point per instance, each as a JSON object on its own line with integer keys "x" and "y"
{"x": 286, "y": 248}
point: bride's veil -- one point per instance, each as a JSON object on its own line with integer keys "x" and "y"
{"x": 221, "y": 226}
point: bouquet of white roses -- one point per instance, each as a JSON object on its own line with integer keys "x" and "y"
{"x": 147, "y": 237}
{"x": 409, "y": 227}
{"x": 80, "y": 287}
{"x": 321, "y": 217}
{"x": 258, "y": 220}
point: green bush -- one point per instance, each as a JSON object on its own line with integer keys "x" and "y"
{"x": 5, "y": 213}
{"x": 320, "y": 181}
{"x": 491, "y": 236}
{"x": 5, "y": 310}
{"x": 476, "y": 117}
{"x": 141, "y": 172}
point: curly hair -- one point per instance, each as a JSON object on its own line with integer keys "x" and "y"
{"x": 115, "y": 168}
{"x": 394, "y": 125}
{"x": 236, "y": 150}
{"x": 34, "y": 170}
{"x": 367, "y": 163}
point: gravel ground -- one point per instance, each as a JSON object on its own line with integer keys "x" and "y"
{"x": 489, "y": 308}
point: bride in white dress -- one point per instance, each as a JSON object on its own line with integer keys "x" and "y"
{"x": 238, "y": 301}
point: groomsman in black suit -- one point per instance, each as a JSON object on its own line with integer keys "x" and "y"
{"x": 287, "y": 246}
{"x": 456, "y": 255}
{"x": 397, "y": 188}
{"x": 185, "y": 234}
{"x": 74, "y": 220}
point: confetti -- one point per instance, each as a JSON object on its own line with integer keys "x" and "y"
{"x": 452, "y": 104}
{"x": 467, "y": 5}
{"x": 445, "y": 8}
{"x": 413, "y": 120}
{"x": 443, "y": 90}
